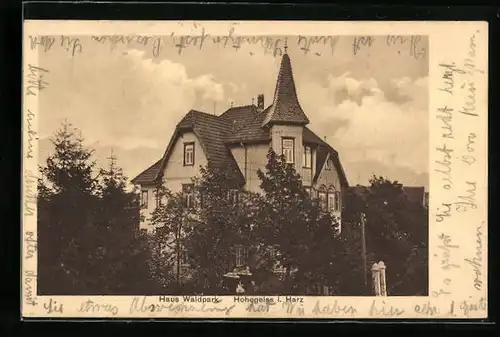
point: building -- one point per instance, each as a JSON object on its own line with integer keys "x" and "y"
{"x": 240, "y": 138}
{"x": 415, "y": 194}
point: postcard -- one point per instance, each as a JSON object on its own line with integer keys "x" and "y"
{"x": 259, "y": 170}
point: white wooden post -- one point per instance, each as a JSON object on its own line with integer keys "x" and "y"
{"x": 383, "y": 283}
{"x": 376, "y": 279}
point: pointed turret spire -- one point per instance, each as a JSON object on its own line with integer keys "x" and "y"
{"x": 286, "y": 107}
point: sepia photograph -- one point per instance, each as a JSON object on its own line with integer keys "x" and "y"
{"x": 240, "y": 166}
{"x": 208, "y": 170}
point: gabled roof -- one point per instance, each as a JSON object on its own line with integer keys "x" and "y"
{"x": 286, "y": 107}
{"x": 322, "y": 151}
{"x": 211, "y": 131}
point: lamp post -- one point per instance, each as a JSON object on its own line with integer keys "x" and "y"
{"x": 363, "y": 250}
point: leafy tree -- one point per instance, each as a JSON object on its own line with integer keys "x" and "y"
{"x": 303, "y": 234}
{"x": 218, "y": 226}
{"x": 171, "y": 219}
{"x": 396, "y": 233}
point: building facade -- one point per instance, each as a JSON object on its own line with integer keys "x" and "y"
{"x": 240, "y": 138}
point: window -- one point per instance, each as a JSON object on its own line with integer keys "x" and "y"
{"x": 144, "y": 198}
{"x": 331, "y": 201}
{"x": 337, "y": 199}
{"x": 240, "y": 254}
{"x": 322, "y": 200}
{"x": 307, "y": 160}
{"x": 188, "y": 154}
{"x": 287, "y": 145}
{"x": 158, "y": 199}
{"x": 188, "y": 195}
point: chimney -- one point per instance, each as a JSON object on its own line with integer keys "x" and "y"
{"x": 260, "y": 103}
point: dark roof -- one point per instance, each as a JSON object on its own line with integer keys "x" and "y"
{"x": 149, "y": 175}
{"x": 412, "y": 193}
{"x": 244, "y": 124}
{"x": 211, "y": 130}
{"x": 286, "y": 107}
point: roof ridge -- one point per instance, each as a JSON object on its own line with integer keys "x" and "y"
{"x": 237, "y": 107}
{"x": 202, "y": 112}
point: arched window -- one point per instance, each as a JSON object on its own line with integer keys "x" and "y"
{"x": 332, "y": 202}
{"x": 322, "y": 196}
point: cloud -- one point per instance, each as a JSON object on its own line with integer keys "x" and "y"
{"x": 376, "y": 118}
{"x": 366, "y": 124}
{"x": 124, "y": 99}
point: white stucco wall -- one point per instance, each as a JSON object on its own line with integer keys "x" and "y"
{"x": 257, "y": 159}
{"x": 279, "y": 131}
{"x": 175, "y": 173}
{"x": 329, "y": 178}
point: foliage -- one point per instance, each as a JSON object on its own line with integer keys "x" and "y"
{"x": 89, "y": 241}
{"x": 66, "y": 208}
{"x": 304, "y": 235}
{"x": 396, "y": 233}
{"x": 171, "y": 219}
{"x": 218, "y": 226}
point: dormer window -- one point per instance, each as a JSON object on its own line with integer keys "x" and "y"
{"x": 188, "y": 154}
{"x": 288, "y": 149}
{"x": 307, "y": 160}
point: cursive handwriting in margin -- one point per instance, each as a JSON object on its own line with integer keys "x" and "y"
{"x": 139, "y": 304}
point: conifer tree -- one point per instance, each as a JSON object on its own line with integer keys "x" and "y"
{"x": 122, "y": 253}
{"x": 67, "y": 202}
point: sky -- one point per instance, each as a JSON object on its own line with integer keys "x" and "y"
{"x": 369, "y": 103}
